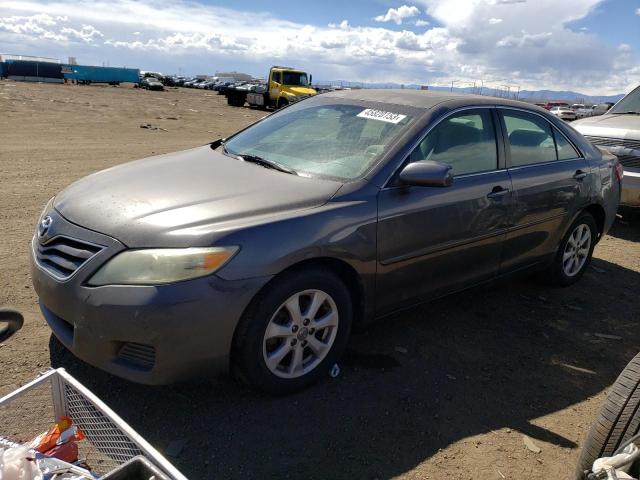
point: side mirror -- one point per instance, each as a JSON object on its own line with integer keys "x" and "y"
{"x": 10, "y": 322}
{"x": 310, "y": 79}
{"x": 426, "y": 173}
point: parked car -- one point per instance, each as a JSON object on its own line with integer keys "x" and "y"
{"x": 585, "y": 112}
{"x": 618, "y": 132}
{"x": 602, "y": 108}
{"x": 564, "y": 113}
{"x": 193, "y": 83}
{"x": 261, "y": 252}
{"x": 550, "y": 105}
{"x": 206, "y": 85}
{"x": 151, "y": 83}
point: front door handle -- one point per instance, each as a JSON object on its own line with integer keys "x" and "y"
{"x": 498, "y": 192}
{"x": 579, "y": 175}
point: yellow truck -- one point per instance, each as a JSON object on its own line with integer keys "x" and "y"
{"x": 285, "y": 85}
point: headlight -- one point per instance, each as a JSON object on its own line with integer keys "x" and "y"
{"x": 161, "y": 265}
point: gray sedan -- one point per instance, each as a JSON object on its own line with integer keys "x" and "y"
{"x": 259, "y": 254}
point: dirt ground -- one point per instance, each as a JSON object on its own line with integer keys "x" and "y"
{"x": 446, "y": 390}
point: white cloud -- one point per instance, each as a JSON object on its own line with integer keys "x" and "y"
{"x": 398, "y": 15}
{"x": 638, "y": 11}
{"x": 421, "y": 23}
{"x": 525, "y": 40}
{"x": 87, "y": 34}
{"x": 525, "y": 48}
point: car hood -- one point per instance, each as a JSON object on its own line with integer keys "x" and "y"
{"x": 179, "y": 198}
{"x": 300, "y": 90}
{"x": 614, "y": 125}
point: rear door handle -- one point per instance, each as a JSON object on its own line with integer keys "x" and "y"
{"x": 498, "y": 192}
{"x": 579, "y": 175}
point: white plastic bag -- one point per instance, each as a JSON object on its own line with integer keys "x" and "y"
{"x": 607, "y": 464}
{"x": 18, "y": 463}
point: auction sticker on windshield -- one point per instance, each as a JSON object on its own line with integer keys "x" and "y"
{"x": 381, "y": 115}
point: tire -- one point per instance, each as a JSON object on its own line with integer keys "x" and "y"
{"x": 618, "y": 419}
{"x": 10, "y": 322}
{"x": 251, "y": 348}
{"x": 557, "y": 273}
{"x": 282, "y": 102}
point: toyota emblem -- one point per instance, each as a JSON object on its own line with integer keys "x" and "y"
{"x": 44, "y": 225}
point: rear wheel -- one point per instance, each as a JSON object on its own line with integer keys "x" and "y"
{"x": 574, "y": 253}
{"x": 293, "y": 331}
{"x": 618, "y": 420}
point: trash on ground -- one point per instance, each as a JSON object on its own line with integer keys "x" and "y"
{"x": 152, "y": 127}
{"x": 530, "y": 445}
{"x": 175, "y": 448}
{"x": 335, "y": 371}
{"x": 401, "y": 350}
{"x": 607, "y": 336}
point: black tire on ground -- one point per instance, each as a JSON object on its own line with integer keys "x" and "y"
{"x": 248, "y": 363}
{"x": 555, "y": 274}
{"x": 282, "y": 102}
{"x": 10, "y": 322}
{"x": 618, "y": 419}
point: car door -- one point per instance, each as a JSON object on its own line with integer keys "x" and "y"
{"x": 275, "y": 84}
{"x": 434, "y": 240}
{"x": 550, "y": 186}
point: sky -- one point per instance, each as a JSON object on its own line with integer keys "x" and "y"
{"x": 589, "y": 46}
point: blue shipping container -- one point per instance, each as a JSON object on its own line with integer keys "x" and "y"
{"x": 32, "y": 70}
{"x": 90, "y": 74}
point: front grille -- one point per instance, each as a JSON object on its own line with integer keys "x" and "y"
{"x": 62, "y": 256}
{"x": 629, "y": 161}
{"x": 614, "y": 142}
{"x": 138, "y": 354}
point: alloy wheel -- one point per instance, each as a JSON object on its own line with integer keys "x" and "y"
{"x": 300, "y": 334}
{"x": 576, "y": 251}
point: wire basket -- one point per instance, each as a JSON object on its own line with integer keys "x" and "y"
{"x": 109, "y": 441}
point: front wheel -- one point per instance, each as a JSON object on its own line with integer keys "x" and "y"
{"x": 574, "y": 253}
{"x": 293, "y": 331}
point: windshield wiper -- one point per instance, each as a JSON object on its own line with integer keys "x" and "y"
{"x": 266, "y": 163}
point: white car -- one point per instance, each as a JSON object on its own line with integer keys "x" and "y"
{"x": 618, "y": 132}
{"x": 565, "y": 113}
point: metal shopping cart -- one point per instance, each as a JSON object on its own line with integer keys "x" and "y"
{"x": 110, "y": 444}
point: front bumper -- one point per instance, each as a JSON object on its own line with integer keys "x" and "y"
{"x": 146, "y": 334}
{"x": 630, "y": 188}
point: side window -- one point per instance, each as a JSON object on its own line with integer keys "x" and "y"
{"x": 466, "y": 141}
{"x": 565, "y": 149}
{"x": 530, "y": 138}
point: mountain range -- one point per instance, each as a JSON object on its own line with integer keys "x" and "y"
{"x": 530, "y": 95}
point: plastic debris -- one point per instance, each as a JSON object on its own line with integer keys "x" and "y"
{"x": 530, "y": 445}
{"x": 335, "y": 371}
{"x": 607, "y": 336}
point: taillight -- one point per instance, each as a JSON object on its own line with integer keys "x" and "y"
{"x": 619, "y": 171}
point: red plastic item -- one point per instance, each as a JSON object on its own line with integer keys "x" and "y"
{"x": 67, "y": 452}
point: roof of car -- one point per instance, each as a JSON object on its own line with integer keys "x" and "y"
{"x": 424, "y": 98}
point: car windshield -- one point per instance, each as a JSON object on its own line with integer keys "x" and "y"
{"x": 340, "y": 141}
{"x": 630, "y": 103}
{"x": 295, "y": 78}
